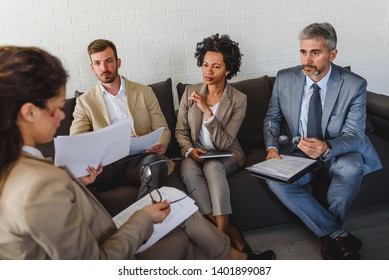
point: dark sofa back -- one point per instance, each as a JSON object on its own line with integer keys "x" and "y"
{"x": 378, "y": 113}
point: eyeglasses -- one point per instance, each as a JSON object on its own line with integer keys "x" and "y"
{"x": 156, "y": 196}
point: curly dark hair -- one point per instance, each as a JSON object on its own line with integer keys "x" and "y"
{"x": 27, "y": 74}
{"x": 224, "y": 45}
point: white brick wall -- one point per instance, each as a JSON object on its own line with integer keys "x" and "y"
{"x": 156, "y": 39}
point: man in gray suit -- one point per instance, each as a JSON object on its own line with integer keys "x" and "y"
{"x": 339, "y": 143}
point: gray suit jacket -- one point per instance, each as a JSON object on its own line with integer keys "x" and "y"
{"x": 223, "y": 128}
{"x": 344, "y": 112}
{"x": 91, "y": 112}
{"x": 48, "y": 214}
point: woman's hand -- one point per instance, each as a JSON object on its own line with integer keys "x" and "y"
{"x": 93, "y": 173}
{"x": 201, "y": 103}
{"x": 158, "y": 211}
{"x": 194, "y": 154}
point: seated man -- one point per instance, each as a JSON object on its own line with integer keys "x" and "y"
{"x": 113, "y": 99}
{"x": 325, "y": 105}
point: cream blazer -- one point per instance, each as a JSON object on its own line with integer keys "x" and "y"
{"x": 223, "y": 128}
{"x": 45, "y": 213}
{"x": 91, "y": 112}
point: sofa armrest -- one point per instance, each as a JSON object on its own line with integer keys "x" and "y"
{"x": 378, "y": 113}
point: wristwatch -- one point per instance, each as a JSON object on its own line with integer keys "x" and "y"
{"x": 327, "y": 152}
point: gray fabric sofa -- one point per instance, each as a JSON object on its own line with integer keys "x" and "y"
{"x": 253, "y": 204}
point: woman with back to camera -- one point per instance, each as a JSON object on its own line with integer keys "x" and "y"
{"x": 46, "y": 213}
{"x": 209, "y": 118}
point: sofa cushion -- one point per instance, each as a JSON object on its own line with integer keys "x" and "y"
{"x": 258, "y": 91}
{"x": 378, "y": 113}
{"x": 164, "y": 94}
{"x": 47, "y": 149}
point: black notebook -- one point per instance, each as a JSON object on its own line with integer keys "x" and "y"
{"x": 287, "y": 170}
{"x": 216, "y": 154}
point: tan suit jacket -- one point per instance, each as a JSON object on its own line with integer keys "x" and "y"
{"x": 91, "y": 112}
{"x": 223, "y": 128}
{"x": 45, "y": 213}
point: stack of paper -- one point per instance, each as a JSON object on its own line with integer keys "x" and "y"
{"x": 180, "y": 211}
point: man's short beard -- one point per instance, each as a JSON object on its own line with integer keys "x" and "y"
{"x": 114, "y": 75}
{"x": 314, "y": 74}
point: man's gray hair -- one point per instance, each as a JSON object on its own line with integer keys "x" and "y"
{"x": 318, "y": 31}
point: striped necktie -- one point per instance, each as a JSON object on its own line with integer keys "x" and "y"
{"x": 314, "y": 114}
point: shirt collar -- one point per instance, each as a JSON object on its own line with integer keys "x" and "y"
{"x": 33, "y": 151}
{"x": 121, "y": 89}
{"x": 322, "y": 83}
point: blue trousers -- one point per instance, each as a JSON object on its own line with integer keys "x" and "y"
{"x": 346, "y": 172}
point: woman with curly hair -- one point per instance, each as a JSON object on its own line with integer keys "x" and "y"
{"x": 209, "y": 118}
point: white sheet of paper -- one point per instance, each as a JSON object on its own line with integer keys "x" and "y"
{"x": 180, "y": 211}
{"x": 142, "y": 143}
{"x": 283, "y": 168}
{"x": 105, "y": 145}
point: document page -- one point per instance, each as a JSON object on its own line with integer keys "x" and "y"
{"x": 283, "y": 169}
{"x": 142, "y": 143}
{"x": 105, "y": 145}
{"x": 180, "y": 211}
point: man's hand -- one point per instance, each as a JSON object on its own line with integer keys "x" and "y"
{"x": 312, "y": 147}
{"x": 158, "y": 149}
{"x": 272, "y": 153}
{"x": 158, "y": 211}
{"x": 93, "y": 173}
{"x": 194, "y": 154}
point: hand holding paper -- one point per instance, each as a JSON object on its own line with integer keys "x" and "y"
{"x": 142, "y": 143}
{"x": 179, "y": 212}
{"x": 101, "y": 146}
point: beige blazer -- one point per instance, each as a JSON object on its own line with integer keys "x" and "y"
{"x": 223, "y": 128}
{"x": 45, "y": 213}
{"x": 91, "y": 112}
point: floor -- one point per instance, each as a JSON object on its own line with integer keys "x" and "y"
{"x": 293, "y": 241}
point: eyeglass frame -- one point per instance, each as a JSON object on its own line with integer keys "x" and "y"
{"x": 171, "y": 202}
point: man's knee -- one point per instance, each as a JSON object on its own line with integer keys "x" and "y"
{"x": 347, "y": 165}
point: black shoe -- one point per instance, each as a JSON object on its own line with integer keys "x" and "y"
{"x": 353, "y": 242}
{"x": 344, "y": 250}
{"x": 251, "y": 255}
{"x": 328, "y": 248}
{"x": 267, "y": 255}
{"x": 337, "y": 249}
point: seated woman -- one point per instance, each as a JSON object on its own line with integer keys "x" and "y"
{"x": 46, "y": 213}
{"x": 209, "y": 118}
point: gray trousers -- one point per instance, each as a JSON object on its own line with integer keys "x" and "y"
{"x": 195, "y": 239}
{"x": 212, "y": 194}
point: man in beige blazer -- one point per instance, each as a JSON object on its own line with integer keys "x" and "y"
{"x": 113, "y": 99}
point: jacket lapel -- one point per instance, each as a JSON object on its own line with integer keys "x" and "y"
{"x": 296, "y": 97}
{"x": 333, "y": 90}
{"x": 98, "y": 100}
{"x": 225, "y": 103}
{"x": 132, "y": 96}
